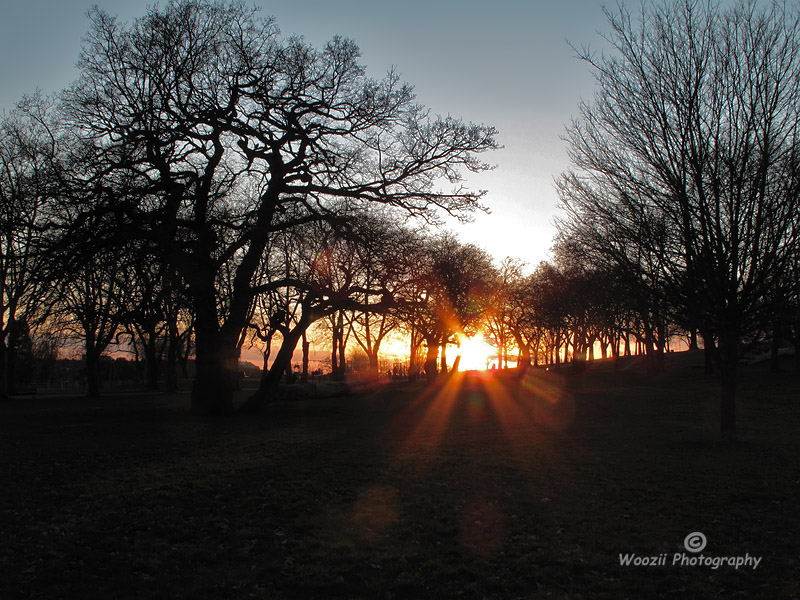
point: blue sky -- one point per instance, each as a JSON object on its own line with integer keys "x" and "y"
{"x": 505, "y": 63}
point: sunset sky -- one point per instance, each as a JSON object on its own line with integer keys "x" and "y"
{"x": 506, "y": 63}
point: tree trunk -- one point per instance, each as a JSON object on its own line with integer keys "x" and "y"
{"x": 92, "y": 373}
{"x": 662, "y": 343}
{"x": 415, "y": 342}
{"x": 171, "y": 375}
{"x": 797, "y": 357}
{"x": 693, "y": 345}
{"x": 709, "y": 353}
{"x": 777, "y": 338}
{"x": 11, "y": 368}
{"x": 4, "y": 388}
{"x": 653, "y": 347}
{"x": 171, "y": 370}
{"x": 729, "y": 358}
{"x": 152, "y": 363}
{"x": 795, "y": 328}
{"x": 556, "y": 350}
{"x": 216, "y": 353}
{"x": 524, "y": 355}
{"x": 334, "y": 356}
{"x": 271, "y": 378}
{"x": 430, "y": 360}
{"x": 216, "y": 362}
{"x": 337, "y": 348}
{"x": 342, "y": 349}
{"x": 306, "y": 349}
{"x": 372, "y": 357}
{"x": 727, "y": 427}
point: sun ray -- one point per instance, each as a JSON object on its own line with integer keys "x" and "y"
{"x": 423, "y": 440}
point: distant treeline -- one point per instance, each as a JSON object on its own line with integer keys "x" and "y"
{"x": 207, "y": 184}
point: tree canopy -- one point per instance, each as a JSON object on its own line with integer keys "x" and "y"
{"x": 222, "y": 133}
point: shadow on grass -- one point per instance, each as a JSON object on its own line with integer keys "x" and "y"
{"x": 476, "y": 487}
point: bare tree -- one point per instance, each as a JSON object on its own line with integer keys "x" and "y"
{"x": 224, "y": 126}
{"x": 448, "y": 297}
{"x": 505, "y": 311}
{"x": 544, "y": 322}
{"x": 523, "y": 322}
{"x": 310, "y": 276}
{"x": 630, "y": 246}
{"x": 28, "y": 155}
{"x": 143, "y": 301}
{"x": 695, "y": 126}
{"x": 89, "y": 307}
{"x": 287, "y": 306}
{"x": 385, "y": 252}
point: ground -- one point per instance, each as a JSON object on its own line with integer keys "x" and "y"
{"x": 483, "y": 487}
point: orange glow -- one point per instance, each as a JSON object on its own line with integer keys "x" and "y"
{"x": 430, "y": 430}
{"x": 422, "y": 426}
{"x": 476, "y": 354}
{"x": 529, "y": 410}
{"x": 536, "y": 405}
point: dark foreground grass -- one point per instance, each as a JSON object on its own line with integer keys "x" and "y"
{"x": 481, "y": 488}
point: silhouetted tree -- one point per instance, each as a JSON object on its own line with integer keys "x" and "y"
{"x": 505, "y": 309}
{"x": 308, "y": 277}
{"x": 224, "y": 126}
{"x": 694, "y": 128}
{"x": 545, "y": 320}
{"x": 611, "y": 278}
{"x": 524, "y": 322}
{"x": 89, "y": 307}
{"x": 28, "y": 173}
{"x": 384, "y": 252}
{"x": 143, "y": 310}
{"x": 448, "y": 297}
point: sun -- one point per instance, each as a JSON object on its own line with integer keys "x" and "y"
{"x": 476, "y": 354}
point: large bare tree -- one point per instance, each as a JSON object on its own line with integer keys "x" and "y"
{"x": 231, "y": 133}
{"x": 693, "y": 135}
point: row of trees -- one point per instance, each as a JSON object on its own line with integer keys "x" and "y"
{"x": 364, "y": 272}
{"x": 195, "y": 148}
{"x": 207, "y": 184}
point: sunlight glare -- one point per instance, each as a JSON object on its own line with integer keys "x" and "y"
{"x": 476, "y": 354}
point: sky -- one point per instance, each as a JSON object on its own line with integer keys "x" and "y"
{"x": 505, "y": 63}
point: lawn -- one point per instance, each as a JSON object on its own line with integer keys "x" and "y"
{"x": 478, "y": 487}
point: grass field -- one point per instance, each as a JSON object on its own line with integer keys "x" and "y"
{"x": 475, "y": 488}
